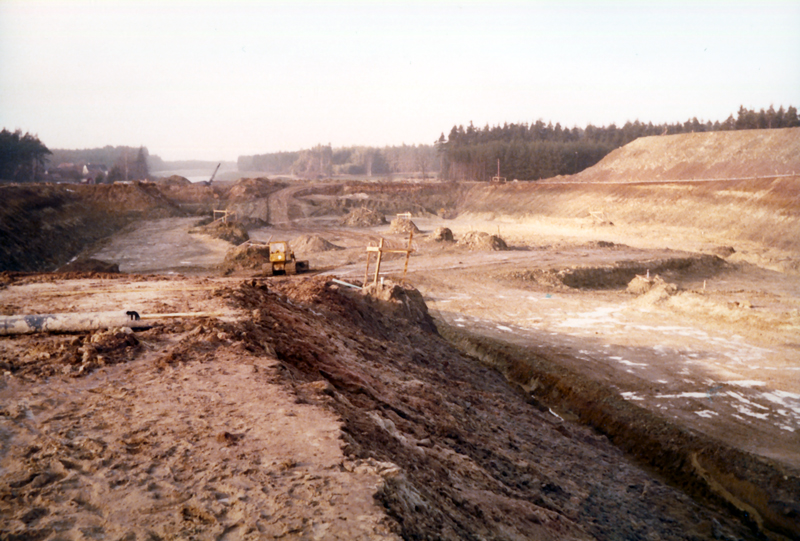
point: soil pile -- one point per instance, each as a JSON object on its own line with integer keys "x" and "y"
{"x": 309, "y": 244}
{"x": 232, "y": 231}
{"x": 252, "y": 188}
{"x": 89, "y": 265}
{"x": 246, "y": 257}
{"x": 174, "y": 180}
{"x": 249, "y": 198}
{"x": 443, "y": 234}
{"x": 642, "y": 284}
{"x": 363, "y": 217}
{"x": 396, "y": 301}
{"x": 710, "y": 155}
{"x": 402, "y": 225}
{"x": 478, "y": 240}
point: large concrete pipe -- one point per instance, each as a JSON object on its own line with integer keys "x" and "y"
{"x": 89, "y": 321}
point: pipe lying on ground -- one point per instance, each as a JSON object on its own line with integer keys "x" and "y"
{"x": 88, "y": 321}
{"x": 335, "y": 281}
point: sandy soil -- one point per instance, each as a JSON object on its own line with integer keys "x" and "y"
{"x": 181, "y": 433}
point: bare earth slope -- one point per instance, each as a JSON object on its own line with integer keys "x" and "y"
{"x": 699, "y": 156}
{"x": 227, "y": 428}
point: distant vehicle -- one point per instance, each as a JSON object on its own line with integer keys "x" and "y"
{"x": 282, "y": 260}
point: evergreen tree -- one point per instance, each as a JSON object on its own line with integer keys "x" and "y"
{"x": 22, "y": 157}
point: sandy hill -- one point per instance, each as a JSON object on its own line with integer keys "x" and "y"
{"x": 729, "y": 188}
{"x": 700, "y": 156}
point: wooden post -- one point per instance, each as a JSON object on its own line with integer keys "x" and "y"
{"x": 408, "y": 254}
{"x": 378, "y": 265}
{"x": 366, "y": 271}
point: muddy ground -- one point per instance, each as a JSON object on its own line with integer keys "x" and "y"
{"x": 524, "y": 394}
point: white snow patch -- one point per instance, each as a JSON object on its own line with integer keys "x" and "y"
{"x": 744, "y": 410}
{"x": 631, "y": 396}
{"x": 790, "y": 401}
{"x": 708, "y": 414}
{"x": 504, "y": 328}
{"x": 746, "y": 383}
{"x": 683, "y": 395}
{"x": 629, "y": 363}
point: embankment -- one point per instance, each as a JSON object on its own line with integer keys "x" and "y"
{"x": 700, "y": 156}
{"x": 760, "y": 211}
{"x": 759, "y": 491}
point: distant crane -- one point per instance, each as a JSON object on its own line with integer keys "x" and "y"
{"x": 212, "y": 176}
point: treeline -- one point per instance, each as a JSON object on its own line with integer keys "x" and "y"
{"x": 22, "y": 157}
{"x": 324, "y": 161}
{"x": 539, "y": 150}
{"x": 105, "y": 164}
{"x": 106, "y": 156}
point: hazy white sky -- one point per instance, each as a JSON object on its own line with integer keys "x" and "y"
{"x": 215, "y": 80}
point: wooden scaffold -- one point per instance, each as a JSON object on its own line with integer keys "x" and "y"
{"x": 380, "y": 250}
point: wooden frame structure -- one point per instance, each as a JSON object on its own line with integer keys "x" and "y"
{"x": 380, "y": 250}
{"x": 225, "y": 214}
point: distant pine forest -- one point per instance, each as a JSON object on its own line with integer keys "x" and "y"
{"x": 520, "y": 151}
{"x": 523, "y": 151}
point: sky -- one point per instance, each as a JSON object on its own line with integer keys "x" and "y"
{"x": 214, "y": 80}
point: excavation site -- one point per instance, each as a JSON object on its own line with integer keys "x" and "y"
{"x": 611, "y": 355}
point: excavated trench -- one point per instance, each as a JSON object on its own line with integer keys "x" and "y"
{"x": 619, "y": 274}
{"x": 761, "y": 492}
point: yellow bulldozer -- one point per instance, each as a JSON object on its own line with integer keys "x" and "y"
{"x": 282, "y": 260}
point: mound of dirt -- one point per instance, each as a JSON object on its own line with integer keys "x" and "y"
{"x": 443, "y": 234}
{"x": 174, "y": 180}
{"x": 249, "y": 198}
{"x": 643, "y": 284}
{"x": 309, "y": 244}
{"x": 250, "y": 188}
{"x": 721, "y": 251}
{"x": 233, "y": 232}
{"x": 403, "y": 225}
{"x": 89, "y": 265}
{"x": 478, "y": 240}
{"x": 363, "y": 217}
{"x": 709, "y": 155}
{"x": 245, "y": 257}
{"x": 399, "y": 301}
